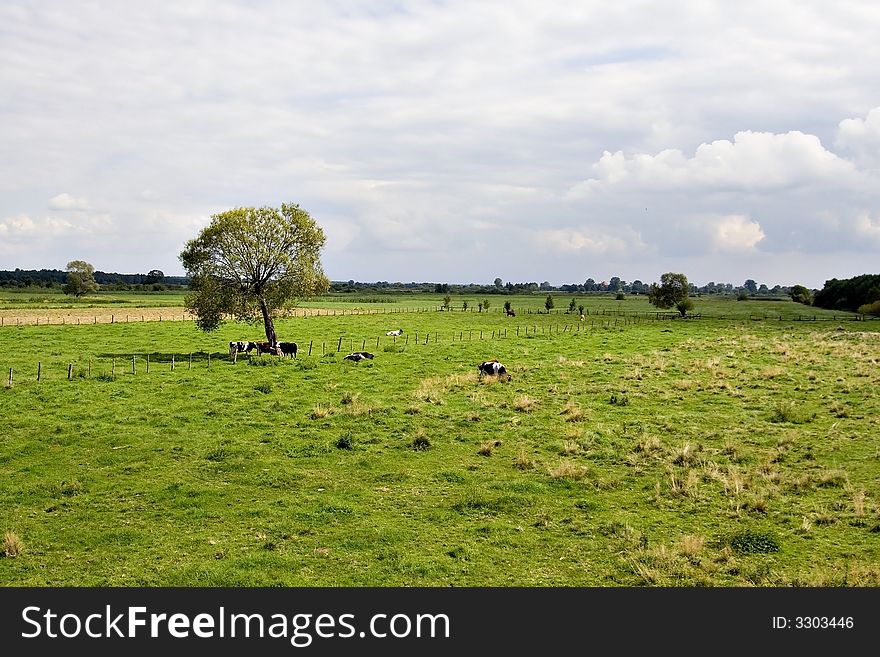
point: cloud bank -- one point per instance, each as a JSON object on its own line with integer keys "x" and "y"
{"x": 450, "y": 141}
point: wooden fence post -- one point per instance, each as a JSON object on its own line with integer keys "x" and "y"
{"x": 310, "y": 346}
{"x": 39, "y": 370}
{"x": 172, "y": 362}
{"x": 70, "y": 371}
{"x": 190, "y": 361}
{"x": 133, "y": 366}
{"x": 10, "y": 377}
{"x": 339, "y": 346}
{"x": 148, "y": 363}
{"x": 113, "y": 367}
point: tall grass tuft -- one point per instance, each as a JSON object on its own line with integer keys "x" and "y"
{"x": 523, "y": 461}
{"x": 12, "y": 544}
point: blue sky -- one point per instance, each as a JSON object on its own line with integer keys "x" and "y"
{"x": 450, "y": 141}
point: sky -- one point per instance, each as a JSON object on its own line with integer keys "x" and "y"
{"x": 459, "y": 141}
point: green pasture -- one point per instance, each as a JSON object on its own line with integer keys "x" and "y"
{"x": 54, "y": 298}
{"x": 384, "y": 303}
{"x": 625, "y": 451}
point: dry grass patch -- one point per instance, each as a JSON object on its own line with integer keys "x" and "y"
{"x": 687, "y": 454}
{"x": 525, "y": 404}
{"x": 771, "y": 372}
{"x": 487, "y": 447}
{"x": 649, "y": 445}
{"x": 692, "y": 546}
{"x": 523, "y": 461}
{"x": 358, "y": 409}
{"x": 321, "y": 411}
{"x": 568, "y": 470}
{"x": 573, "y": 412}
{"x": 570, "y": 448}
{"x": 12, "y": 544}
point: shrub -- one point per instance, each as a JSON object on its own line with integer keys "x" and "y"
{"x": 622, "y": 400}
{"x": 345, "y": 442}
{"x": 749, "y": 542}
{"x": 870, "y": 308}
{"x": 420, "y": 441}
{"x": 265, "y": 388}
{"x": 788, "y": 412}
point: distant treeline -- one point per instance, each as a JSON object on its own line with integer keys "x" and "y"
{"x": 857, "y": 294}
{"x": 57, "y": 278}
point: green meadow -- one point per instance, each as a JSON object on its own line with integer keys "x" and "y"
{"x": 625, "y": 451}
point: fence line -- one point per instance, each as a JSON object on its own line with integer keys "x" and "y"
{"x": 434, "y": 337}
{"x": 99, "y": 318}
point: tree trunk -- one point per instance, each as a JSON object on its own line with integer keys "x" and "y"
{"x": 270, "y": 325}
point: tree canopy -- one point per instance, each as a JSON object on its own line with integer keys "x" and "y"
{"x": 80, "y": 279}
{"x": 671, "y": 293}
{"x": 249, "y": 263}
{"x": 849, "y": 293}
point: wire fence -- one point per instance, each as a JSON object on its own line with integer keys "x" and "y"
{"x": 111, "y": 366}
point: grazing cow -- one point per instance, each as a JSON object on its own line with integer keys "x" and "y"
{"x": 241, "y": 346}
{"x": 263, "y": 347}
{"x": 493, "y": 368}
{"x": 582, "y": 318}
{"x": 510, "y": 313}
{"x": 358, "y": 356}
{"x": 288, "y": 349}
{"x": 397, "y": 332}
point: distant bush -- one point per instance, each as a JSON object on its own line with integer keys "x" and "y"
{"x": 345, "y": 442}
{"x": 870, "y": 308}
{"x": 800, "y": 294}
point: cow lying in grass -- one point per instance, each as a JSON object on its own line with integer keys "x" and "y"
{"x": 358, "y": 356}
{"x": 493, "y": 368}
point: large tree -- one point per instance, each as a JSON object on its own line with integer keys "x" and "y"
{"x": 249, "y": 263}
{"x": 671, "y": 293}
{"x": 80, "y": 279}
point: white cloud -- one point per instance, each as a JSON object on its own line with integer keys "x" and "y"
{"x": 867, "y": 227}
{"x": 736, "y": 233}
{"x": 66, "y": 202}
{"x": 861, "y": 137}
{"x": 567, "y": 241}
{"x": 752, "y": 161}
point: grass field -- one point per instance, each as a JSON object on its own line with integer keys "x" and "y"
{"x": 625, "y": 451}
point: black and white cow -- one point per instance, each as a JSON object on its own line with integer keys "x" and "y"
{"x": 493, "y": 368}
{"x": 396, "y": 332}
{"x": 241, "y": 347}
{"x": 288, "y": 349}
{"x": 358, "y": 356}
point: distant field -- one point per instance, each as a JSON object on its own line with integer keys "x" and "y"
{"x": 55, "y": 308}
{"x": 625, "y": 451}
